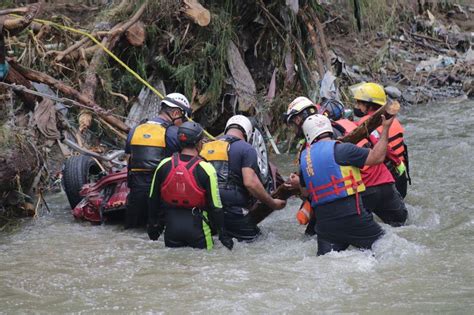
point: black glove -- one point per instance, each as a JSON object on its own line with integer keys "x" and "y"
{"x": 226, "y": 240}
{"x": 154, "y": 231}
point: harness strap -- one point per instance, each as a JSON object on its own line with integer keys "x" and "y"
{"x": 174, "y": 160}
{"x": 395, "y": 137}
{"x": 337, "y": 189}
{"x": 195, "y": 160}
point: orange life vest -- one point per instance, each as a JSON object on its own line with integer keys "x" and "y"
{"x": 395, "y": 136}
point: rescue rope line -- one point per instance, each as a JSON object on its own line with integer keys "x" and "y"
{"x": 111, "y": 54}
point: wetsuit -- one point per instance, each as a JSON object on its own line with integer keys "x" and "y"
{"x": 147, "y": 145}
{"x": 174, "y": 213}
{"x": 229, "y": 155}
{"x": 334, "y": 184}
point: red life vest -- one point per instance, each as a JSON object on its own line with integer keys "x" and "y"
{"x": 373, "y": 175}
{"x": 180, "y": 188}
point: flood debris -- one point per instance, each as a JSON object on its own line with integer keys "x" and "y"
{"x": 73, "y": 80}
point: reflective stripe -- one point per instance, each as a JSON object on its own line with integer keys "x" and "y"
{"x": 211, "y": 172}
{"x": 154, "y": 175}
{"x": 141, "y": 170}
{"x": 207, "y": 232}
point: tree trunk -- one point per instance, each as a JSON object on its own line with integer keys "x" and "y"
{"x": 20, "y": 162}
{"x": 365, "y": 129}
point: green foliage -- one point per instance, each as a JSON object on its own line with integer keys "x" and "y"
{"x": 199, "y": 61}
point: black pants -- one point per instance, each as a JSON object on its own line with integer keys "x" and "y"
{"x": 242, "y": 227}
{"x": 387, "y": 203}
{"x": 338, "y": 234}
{"x": 136, "y": 213}
{"x": 401, "y": 183}
{"x": 185, "y": 229}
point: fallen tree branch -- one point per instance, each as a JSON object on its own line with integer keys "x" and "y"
{"x": 364, "y": 130}
{"x": 68, "y": 90}
{"x": 16, "y": 25}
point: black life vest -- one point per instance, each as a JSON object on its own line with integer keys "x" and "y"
{"x": 147, "y": 146}
{"x": 231, "y": 185}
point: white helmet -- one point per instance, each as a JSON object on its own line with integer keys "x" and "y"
{"x": 242, "y": 123}
{"x": 315, "y": 126}
{"x": 298, "y": 105}
{"x": 178, "y": 100}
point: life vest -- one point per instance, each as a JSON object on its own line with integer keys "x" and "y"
{"x": 395, "y": 137}
{"x": 349, "y": 126}
{"x": 372, "y": 175}
{"x": 147, "y": 146}
{"x": 327, "y": 181}
{"x": 180, "y": 188}
{"x": 231, "y": 186}
{"x": 305, "y": 213}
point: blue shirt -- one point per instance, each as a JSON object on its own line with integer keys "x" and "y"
{"x": 172, "y": 142}
{"x": 242, "y": 154}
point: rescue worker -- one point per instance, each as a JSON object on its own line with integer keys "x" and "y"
{"x": 298, "y": 110}
{"x": 184, "y": 196}
{"x": 370, "y": 97}
{"x": 237, "y": 169}
{"x": 147, "y": 144}
{"x": 380, "y": 196}
{"x": 330, "y": 177}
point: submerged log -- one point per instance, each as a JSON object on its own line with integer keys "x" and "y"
{"x": 260, "y": 210}
{"x": 365, "y": 129}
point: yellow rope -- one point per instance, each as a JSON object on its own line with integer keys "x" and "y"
{"x": 111, "y": 54}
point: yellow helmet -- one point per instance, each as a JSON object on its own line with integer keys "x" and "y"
{"x": 369, "y": 92}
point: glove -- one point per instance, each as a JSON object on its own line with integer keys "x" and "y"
{"x": 154, "y": 231}
{"x": 401, "y": 169}
{"x": 226, "y": 240}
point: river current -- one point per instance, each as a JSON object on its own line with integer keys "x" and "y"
{"x": 54, "y": 264}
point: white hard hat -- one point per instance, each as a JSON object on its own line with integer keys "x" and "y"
{"x": 178, "y": 100}
{"x": 316, "y": 125}
{"x": 298, "y": 105}
{"x": 243, "y": 123}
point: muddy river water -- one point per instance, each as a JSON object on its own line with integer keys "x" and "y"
{"x": 56, "y": 265}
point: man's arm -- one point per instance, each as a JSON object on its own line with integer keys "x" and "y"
{"x": 256, "y": 189}
{"x": 377, "y": 154}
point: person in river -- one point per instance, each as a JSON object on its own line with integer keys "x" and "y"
{"x": 370, "y": 97}
{"x": 380, "y": 196}
{"x": 330, "y": 177}
{"x": 184, "y": 196}
{"x": 237, "y": 169}
{"x": 147, "y": 144}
